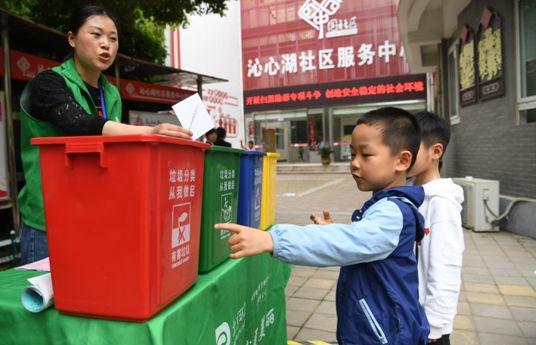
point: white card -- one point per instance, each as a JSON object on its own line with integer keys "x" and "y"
{"x": 193, "y": 115}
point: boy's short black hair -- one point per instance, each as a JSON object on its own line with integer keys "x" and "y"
{"x": 434, "y": 129}
{"x": 222, "y": 133}
{"x": 399, "y": 128}
{"x": 211, "y": 131}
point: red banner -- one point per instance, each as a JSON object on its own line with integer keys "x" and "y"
{"x": 152, "y": 93}
{"x": 25, "y": 67}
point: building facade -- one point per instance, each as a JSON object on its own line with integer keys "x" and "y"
{"x": 311, "y": 68}
{"x": 483, "y": 56}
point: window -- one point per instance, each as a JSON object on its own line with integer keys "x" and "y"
{"x": 298, "y": 132}
{"x": 453, "y": 88}
{"x": 526, "y": 37}
{"x": 279, "y": 138}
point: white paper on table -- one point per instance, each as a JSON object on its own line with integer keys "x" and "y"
{"x": 39, "y": 296}
{"x": 42, "y": 265}
{"x": 193, "y": 115}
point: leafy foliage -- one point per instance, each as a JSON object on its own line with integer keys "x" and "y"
{"x": 141, "y": 22}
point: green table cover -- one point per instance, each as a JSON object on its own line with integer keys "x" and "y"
{"x": 241, "y": 302}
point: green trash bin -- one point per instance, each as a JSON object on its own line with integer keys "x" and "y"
{"x": 220, "y": 204}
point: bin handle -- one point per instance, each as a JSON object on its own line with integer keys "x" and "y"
{"x": 78, "y": 148}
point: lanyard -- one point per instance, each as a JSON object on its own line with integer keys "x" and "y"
{"x": 103, "y": 103}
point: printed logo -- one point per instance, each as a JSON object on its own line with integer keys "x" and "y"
{"x": 317, "y": 13}
{"x": 223, "y": 334}
{"x": 226, "y": 215}
{"x": 226, "y": 207}
{"x": 23, "y": 64}
{"x": 180, "y": 233}
{"x": 130, "y": 88}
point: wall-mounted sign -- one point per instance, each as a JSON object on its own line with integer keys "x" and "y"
{"x": 490, "y": 56}
{"x": 467, "y": 67}
{"x": 397, "y": 88}
{"x": 318, "y": 14}
{"x": 299, "y": 42}
{"x": 151, "y": 93}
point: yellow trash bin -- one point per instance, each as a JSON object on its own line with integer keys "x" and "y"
{"x": 269, "y": 171}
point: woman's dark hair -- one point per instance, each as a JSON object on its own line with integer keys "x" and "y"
{"x": 80, "y": 15}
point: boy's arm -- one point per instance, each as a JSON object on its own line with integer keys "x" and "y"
{"x": 444, "y": 272}
{"x": 372, "y": 238}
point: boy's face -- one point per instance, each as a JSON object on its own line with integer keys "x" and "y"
{"x": 373, "y": 165}
{"x": 212, "y": 137}
{"x": 427, "y": 158}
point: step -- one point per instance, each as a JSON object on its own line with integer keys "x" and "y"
{"x": 312, "y": 168}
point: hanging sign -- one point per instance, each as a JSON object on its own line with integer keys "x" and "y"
{"x": 467, "y": 67}
{"x": 490, "y": 56}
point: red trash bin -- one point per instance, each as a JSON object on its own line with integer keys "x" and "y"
{"x": 123, "y": 216}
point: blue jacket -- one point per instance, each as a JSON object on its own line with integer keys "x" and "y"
{"x": 377, "y": 290}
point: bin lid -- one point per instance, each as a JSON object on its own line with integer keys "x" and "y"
{"x": 272, "y": 154}
{"x": 254, "y": 153}
{"x": 92, "y": 139}
{"x": 225, "y": 149}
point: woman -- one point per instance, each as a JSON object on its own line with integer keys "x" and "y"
{"x": 72, "y": 99}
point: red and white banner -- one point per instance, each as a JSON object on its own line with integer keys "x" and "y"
{"x": 223, "y": 106}
{"x": 26, "y": 66}
{"x": 152, "y": 93}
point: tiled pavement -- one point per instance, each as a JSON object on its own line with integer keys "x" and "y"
{"x": 498, "y": 299}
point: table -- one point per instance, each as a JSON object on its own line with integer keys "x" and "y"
{"x": 241, "y": 302}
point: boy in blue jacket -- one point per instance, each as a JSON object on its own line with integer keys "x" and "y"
{"x": 377, "y": 290}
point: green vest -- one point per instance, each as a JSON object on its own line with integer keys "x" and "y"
{"x": 30, "y": 197}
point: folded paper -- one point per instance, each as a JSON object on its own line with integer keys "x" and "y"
{"x": 39, "y": 296}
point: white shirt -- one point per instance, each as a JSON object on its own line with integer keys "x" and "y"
{"x": 440, "y": 255}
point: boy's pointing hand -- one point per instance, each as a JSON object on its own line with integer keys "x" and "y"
{"x": 246, "y": 241}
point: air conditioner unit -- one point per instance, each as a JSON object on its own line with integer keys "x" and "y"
{"x": 481, "y": 203}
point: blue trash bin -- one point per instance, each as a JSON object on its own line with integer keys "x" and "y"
{"x": 250, "y": 188}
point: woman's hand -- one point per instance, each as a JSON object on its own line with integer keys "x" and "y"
{"x": 172, "y": 131}
{"x": 117, "y": 128}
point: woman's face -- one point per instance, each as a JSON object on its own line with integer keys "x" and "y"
{"x": 96, "y": 43}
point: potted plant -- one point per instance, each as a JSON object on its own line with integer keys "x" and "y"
{"x": 325, "y": 154}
